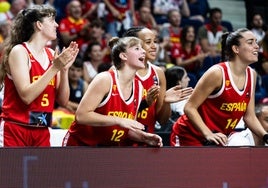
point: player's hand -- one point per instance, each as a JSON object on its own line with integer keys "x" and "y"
{"x": 176, "y": 94}
{"x": 152, "y": 139}
{"x": 152, "y": 94}
{"x": 217, "y": 138}
{"x": 66, "y": 58}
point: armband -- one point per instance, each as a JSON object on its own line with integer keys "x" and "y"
{"x": 265, "y": 138}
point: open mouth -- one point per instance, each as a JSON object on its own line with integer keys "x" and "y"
{"x": 141, "y": 59}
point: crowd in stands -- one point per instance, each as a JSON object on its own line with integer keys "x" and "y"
{"x": 188, "y": 35}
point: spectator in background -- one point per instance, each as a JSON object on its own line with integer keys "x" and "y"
{"x": 190, "y": 55}
{"x": 106, "y": 116}
{"x": 92, "y": 60}
{"x": 89, "y": 9}
{"x": 60, "y": 6}
{"x": 177, "y": 75}
{"x": 162, "y": 7}
{"x": 145, "y": 18}
{"x": 171, "y": 34}
{"x": 77, "y": 85}
{"x": 97, "y": 34}
{"x": 74, "y": 27}
{"x": 258, "y": 27}
{"x": 5, "y": 28}
{"x": 209, "y": 35}
{"x": 15, "y": 7}
{"x": 120, "y": 17}
{"x": 199, "y": 8}
{"x": 39, "y": 2}
{"x": 261, "y": 67}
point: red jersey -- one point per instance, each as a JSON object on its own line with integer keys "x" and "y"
{"x": 175, "y": 39}
{"x": 148, "y": 115}
{"x": 214, "y": 38}
{"x": 148, "y": 24}
{"x": 221, "y": 112}
{"x": 184, "y": 55}
{"x": 113, "y": 105}
{"x": 121, "y": 6}
{"x": 73, "y": 27}
{"x": 39, "y": 112}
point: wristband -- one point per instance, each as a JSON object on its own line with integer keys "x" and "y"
{"x": 265, "y": 138}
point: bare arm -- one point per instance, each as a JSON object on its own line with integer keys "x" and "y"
{"x": 95, "y": 93}
{"x": 185, "y": 11}
{"x": 86, "y": 76}
{"x": 250, "y": 118}
{"x": 113, "y": 10}
{"x": 209, "y": 82}
{"x": 148, "y": 138}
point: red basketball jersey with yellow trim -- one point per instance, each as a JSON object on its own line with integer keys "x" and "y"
{"x": 113, "y": 105}
{"x": 148, "y": 116}
{"x": 222, "y": 111}
{"x": 14, "y": 109}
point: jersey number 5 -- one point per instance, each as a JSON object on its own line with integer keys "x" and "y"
{"x": 45, "y": 101}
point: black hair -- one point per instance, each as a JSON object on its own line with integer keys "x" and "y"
{"x": 212, "y": 11}
{"x": 184, "y": 35}
{"x": 173, "y": 75}
{"x": 78, "y": 63}
{"x": 89, "y": 49}
{"x": 97, "y": 23}
{"x": 133, "y": 31}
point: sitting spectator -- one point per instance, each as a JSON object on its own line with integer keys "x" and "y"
{"x": 261, "y": 67}
{"x": 145, "y": 18}
{"x": 77, "y": 84}
{"x": 39, "y": 2}
{"x": 171, "y": 33}
{"x": 89, "y": 9}
{"x": 92, "y": 60}
{"x": 190, "y": 55}
{"x": 97, "y": 34}
{"x": 15, "y": 7}
{"x": 5, "y": 26}
{"x": 74, "y": 27}
{"x": 258, "y": 27}
{"x": 162, "y": 7}
{"x": 118, "y": 18}
{"x": 177, "y": 76}
{"x": 199, "y": 9}
{"x": 209, "y": 35}
{"x": 60, "y": 6}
